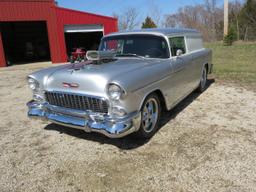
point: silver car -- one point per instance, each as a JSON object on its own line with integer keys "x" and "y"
{"x": 124, "y": 86}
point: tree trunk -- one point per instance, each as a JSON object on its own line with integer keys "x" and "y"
{"x": 245, "y": 34}
{"x": 237, "y": 29}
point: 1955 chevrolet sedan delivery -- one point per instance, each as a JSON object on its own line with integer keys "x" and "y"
{"x": 124, "y": 86}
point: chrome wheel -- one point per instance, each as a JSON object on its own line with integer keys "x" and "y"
{"x": 203, "y": 78}
{"x": 149, "y": 115}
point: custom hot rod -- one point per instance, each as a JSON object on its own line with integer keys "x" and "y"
{"x": 124, "y": 86}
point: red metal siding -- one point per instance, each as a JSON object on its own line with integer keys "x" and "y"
{"x": 43, "y": 10}
{"x": 56, "y": 18}
{"x": 25, "y": 10}
{"x": 2, "y": 58}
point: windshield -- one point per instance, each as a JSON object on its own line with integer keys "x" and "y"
{"x": 149, "y": 46}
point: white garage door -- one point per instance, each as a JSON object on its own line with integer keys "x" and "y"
{"x": 83, "y": 28}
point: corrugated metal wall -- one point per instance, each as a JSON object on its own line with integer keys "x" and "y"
{"x": 25, "y": 10}
{"x": 55, "y": 17}
{"x": 43, "y": 10}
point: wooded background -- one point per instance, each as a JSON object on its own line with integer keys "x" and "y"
{"x": 206, "y": 17}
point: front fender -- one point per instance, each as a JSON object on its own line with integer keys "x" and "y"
{"x": 145, "y": 76}
{"x": 140, "y": 83}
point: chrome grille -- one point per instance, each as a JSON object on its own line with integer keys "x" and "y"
{"x": 78, "y": 102}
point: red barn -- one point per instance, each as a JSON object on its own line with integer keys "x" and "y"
{"x": 38, "y": 30}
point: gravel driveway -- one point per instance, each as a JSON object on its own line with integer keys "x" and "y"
{"x": 206, "y": 143}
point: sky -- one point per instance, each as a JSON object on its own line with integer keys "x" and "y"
{"x": 108, "y": 7}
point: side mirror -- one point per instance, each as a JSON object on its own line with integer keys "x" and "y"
{"x": 179, "y": 52}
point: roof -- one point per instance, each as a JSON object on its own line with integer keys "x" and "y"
{"x": 83, "y": 12}
{"x": 161, "y": 31}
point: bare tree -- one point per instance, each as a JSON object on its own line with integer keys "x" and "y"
{"x": 235, "y": 8}
{"x": 202, "y": 17}
{"x": 170, "y": 20}
{"x": 208, "y": 19}
{"x": 128, "y": 19}
{"x": 210, "y": 7}
{"x": 190, "y": 17}
{"x": 155, "y": 12}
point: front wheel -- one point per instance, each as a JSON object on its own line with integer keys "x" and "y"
{"x": 150, "y": 115}
{"x": 203, "y": 80}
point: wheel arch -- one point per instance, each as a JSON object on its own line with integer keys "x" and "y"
{"x": 160, "y": 95}
{"x": 202, "y": 68}
{"x": 207, "y": 67}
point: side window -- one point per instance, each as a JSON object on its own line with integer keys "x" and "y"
{"x": 177, "y": 43}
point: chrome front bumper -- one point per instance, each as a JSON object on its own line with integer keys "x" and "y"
{"x": 87, "y": 121}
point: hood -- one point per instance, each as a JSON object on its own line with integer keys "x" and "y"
{"x": 92, "y": 79}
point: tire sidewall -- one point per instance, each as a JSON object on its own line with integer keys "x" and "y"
{"x": 201, "y": 87}
{"x": 141, "y": 132}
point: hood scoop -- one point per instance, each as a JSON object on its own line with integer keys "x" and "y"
{"x": 100, "y": 57}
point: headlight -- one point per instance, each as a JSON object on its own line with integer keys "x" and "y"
{"x": 33, "y": 84}
{"x": 115, "y": 92}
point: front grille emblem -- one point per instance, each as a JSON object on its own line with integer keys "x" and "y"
{"x": 70, "y": 85}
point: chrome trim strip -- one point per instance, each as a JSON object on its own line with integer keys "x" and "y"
{"x": 80, "y": 94}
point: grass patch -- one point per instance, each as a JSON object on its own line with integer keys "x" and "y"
{"x": 236, "y": 63}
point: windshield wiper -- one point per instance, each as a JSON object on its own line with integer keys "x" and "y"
{"x": 129, "y": 55}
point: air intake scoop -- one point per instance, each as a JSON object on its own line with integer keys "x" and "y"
{"x": 100, "y": 55}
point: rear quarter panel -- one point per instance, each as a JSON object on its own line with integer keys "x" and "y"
{"x": 199, "y": 59}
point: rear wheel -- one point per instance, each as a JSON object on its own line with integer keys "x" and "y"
{"x": 150, "y": 114}
{"x": 203, "y": 80}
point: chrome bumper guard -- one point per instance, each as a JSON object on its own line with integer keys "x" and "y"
{"x": 87, "y": 121}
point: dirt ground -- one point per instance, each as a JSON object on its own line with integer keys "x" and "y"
{"x": 206, "y": 143}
